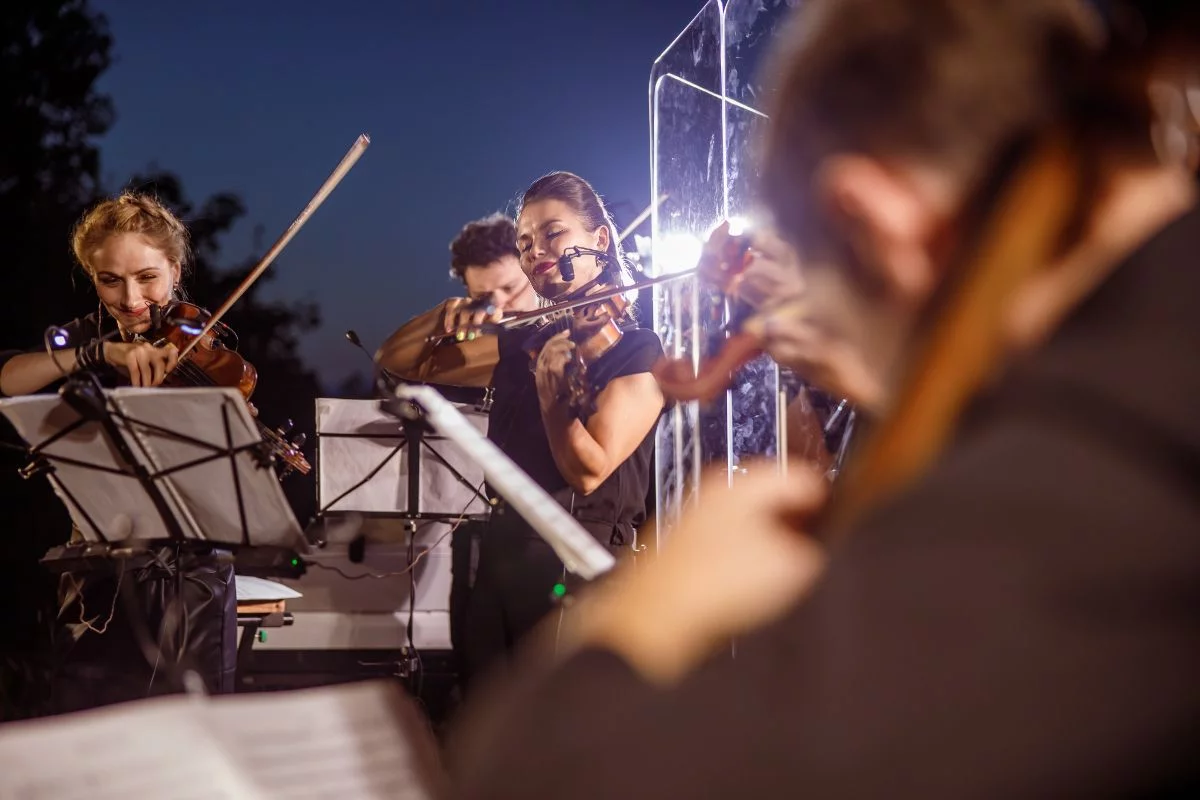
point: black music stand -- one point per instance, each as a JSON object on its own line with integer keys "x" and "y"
{"x": 413, "y": 439}
{"x": 141, "y": 470}
{"x": 161, "y": 465}
{"x": 373, "y": 496}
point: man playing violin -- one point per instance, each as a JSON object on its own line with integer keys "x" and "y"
{"x": 1010, "y": 606}
{"x": 134, "y": 251}
{"x": 484, "y": 257}
{"x": 593, "y": 457}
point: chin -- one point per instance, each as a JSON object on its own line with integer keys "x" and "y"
{"x": 137, "y": 326}
{"x": 551, "y": 289}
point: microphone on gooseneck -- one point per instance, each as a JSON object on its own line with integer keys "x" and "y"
{"x": 567, "y": 269}
{"x": 352, "y": 337}
{"x": 381, "y": 374}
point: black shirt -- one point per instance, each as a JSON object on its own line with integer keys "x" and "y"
{"x": 516, "y": 427}
{"x": 1023, "y": 622}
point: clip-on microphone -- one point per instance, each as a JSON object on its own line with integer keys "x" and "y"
{"x": 565, "y": 268}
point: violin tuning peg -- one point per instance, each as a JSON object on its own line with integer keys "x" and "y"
{"x": 299, "y": 441}
{"x": 285, "y": 428}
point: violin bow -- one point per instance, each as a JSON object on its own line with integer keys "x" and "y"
{"x": 640, "y": 218}
{"x": 352, "y": 155}
{"x": 963, "y": 344}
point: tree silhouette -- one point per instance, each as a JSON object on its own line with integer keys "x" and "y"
{"x": 51, "y": 53}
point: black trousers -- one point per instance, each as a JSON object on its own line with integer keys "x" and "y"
{"x": 147, "y": 637}
{"x": 464, "y": 560}
{"x": 514, "y": 589}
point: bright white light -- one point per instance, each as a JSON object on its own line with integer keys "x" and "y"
{"x": 738, "y": 226}
{"x": 643, "y": 244}
{"x": 676, "y": 252}
{"x": 59, "y": 339}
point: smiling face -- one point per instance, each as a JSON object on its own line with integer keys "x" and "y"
{"x": 129, "y": 274}
{"x": 545, "y": 230}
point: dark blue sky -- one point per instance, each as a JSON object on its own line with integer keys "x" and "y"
{"x": 466, "y": 104}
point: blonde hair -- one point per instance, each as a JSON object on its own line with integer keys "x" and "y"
{"x": 130, "y": 213}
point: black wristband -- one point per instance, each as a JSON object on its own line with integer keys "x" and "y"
{"x": 90, "y": 355}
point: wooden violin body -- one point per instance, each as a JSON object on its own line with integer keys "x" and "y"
{"x": 218, "y": 362}
{"x": 594, "y": 330}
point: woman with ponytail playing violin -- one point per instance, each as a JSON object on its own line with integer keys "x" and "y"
{"x": 584, "y": 435}
{"x": 994, "y": 208}
{"x": 134, "y": 251}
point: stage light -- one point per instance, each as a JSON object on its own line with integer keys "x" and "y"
{"x": 739, "y": 226}
{"x": 677, "y": 252}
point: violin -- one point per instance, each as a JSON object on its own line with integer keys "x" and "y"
{"x": 1015, "y": 224}
{"x": 211, "y": 359}
{"x": 595, "y": 330}
{"x": 213, "y": 362}
{"x": 593, "y": 318}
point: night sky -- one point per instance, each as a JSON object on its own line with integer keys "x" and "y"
{"x": 466, "y": 104}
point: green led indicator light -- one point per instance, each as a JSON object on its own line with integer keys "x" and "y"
{"x": 560, "y": 590}
{"x": 295, "y": 562}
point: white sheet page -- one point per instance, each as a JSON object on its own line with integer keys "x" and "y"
{"x": 158, "y": 748}
{"x": 360, "y": 740}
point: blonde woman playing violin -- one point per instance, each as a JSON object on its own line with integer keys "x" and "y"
{"x": 135, "y": 251}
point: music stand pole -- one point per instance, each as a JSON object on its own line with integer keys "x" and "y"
{"x": 414, "y": 437}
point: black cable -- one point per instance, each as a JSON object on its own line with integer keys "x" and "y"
{"x": 416, "y": 676}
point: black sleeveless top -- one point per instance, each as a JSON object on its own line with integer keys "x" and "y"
{"x": 618, "y": 505}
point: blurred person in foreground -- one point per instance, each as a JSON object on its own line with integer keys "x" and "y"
{"x": 995, "y": 214}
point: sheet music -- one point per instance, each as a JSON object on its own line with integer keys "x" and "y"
{"x": 358, "y": 740}
{"x": 157, "y": 748}
{"x": 360, "y": 450}
{"x": 116, "y": 503}
{"x": 260, "y": 590}
{"x": 581, "y": 554}
{"x": 201, "y": 497}
{"x": 207, "y": 490}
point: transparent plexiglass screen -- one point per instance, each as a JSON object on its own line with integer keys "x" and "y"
{"x": 707, "y": 108}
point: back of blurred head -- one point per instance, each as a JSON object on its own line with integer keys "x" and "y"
{"x": 891, "y": 118}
